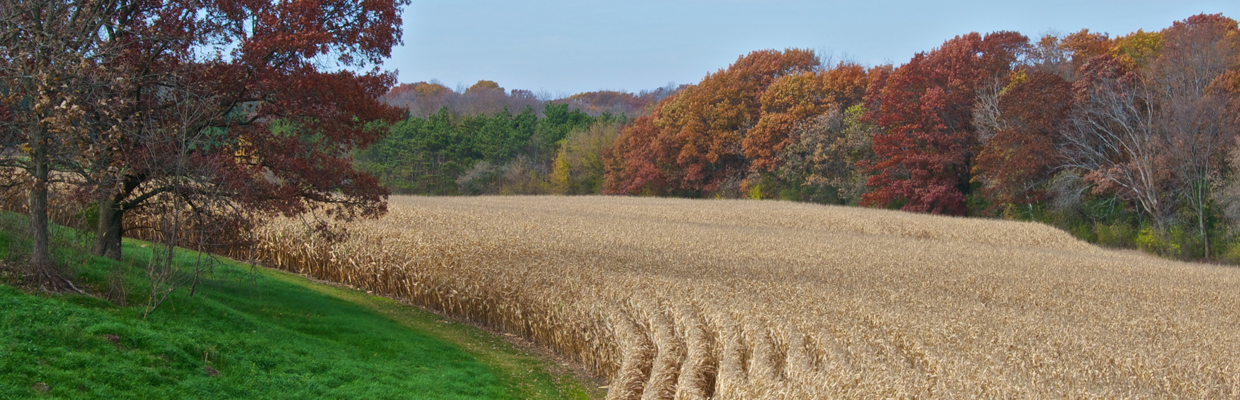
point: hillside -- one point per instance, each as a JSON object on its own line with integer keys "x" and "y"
{"x": 768, "y": 299}
{"x": 245, "y": 333}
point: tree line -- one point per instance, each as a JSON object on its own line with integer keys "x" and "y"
{"x": 423, "y": 99}
{"x": 487, "y": 140}
{"x": 450, "y": 153}
{"x": 1126, "y": 140}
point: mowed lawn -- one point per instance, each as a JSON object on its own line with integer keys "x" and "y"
{"x": 245, "y": 333}
{"x": 768, "y": 299}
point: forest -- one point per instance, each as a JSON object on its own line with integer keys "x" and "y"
{"x": 502, "y": 153}
{"x": 1126, "y": 140}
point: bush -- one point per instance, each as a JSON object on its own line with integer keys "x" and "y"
{"x": 1151, "y": 241}
{"x": 1229, "y": 251}
{"x": 755, "y": 192}
{"x": 1117, "y": 234}
{"x": 1083, "y": 231}
{"x": 1028, "y": 212}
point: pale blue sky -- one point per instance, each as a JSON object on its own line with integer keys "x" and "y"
{"x": 565, "y": 47}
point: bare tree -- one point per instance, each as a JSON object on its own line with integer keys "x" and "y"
{"x": 1200, "y": 131}
{"x": 1198, "y": 121}
{"x": 1158, "y": 133}
{"x": 1113, "y": 132}
{"x": 987, "y": 116}
{"x": 1226, "y": 188}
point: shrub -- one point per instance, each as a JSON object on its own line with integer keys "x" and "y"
{"x": 1117, "y": 234}
{"x": 1151, "y": 241}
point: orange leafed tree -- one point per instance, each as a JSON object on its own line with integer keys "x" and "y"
{"x": 692, "y": 143}
{"x": 419, "y": 89}
{"x": 795, "y": 98}
{"x": 1085, "y": 45}
{"x": 484, "y": 85}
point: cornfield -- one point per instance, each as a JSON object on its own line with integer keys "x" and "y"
{"x": 733, "y": 299}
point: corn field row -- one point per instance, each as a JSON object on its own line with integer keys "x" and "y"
{"x": 730, "y": 299}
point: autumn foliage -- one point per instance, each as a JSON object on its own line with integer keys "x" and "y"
{"x": 249, "y": 104}
{"x": 1016, "y": 162}
{"x": 693, "y": 143}
{"x": 795, "y": 98}
{"x": 925, "y": 110}
{"x": 424, "y": 99}
{"x": 1107, "y": 135}
{"x": 272, "y": 121}
{"x": 977, "y": 126}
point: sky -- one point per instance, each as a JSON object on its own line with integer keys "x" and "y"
{"x": 561, "y": 47}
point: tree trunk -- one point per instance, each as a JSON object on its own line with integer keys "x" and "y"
{"x": 111, "y": 225}
{"x": 40, "y": 255}
{"x": 1201, "y": 223}
{"x": 108, "y": 230}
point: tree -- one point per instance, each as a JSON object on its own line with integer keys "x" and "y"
{"x": 1148, "y": 124}
{"x": 1021, "y": 155}
{"x": 1111, "y": 134}
{"x": 476, "y": 154}
{"x": 794, "y": 98}
{"x": 555, "y": 125}
{"x": 1085, "y": 45}
{"x": 1200, "y": 125}
{"x": 823, "y": 156}
{"x": 696, "y": 145}
{"x": 925, "y": 111}
{"x": 54, "y": 85}
{"x": 421, "y": 99}
{"x": 617, "y": 103}
{"x": 578, "y": 167}
{"x": 482, "y": 85}
{"x": 281, "y": 119}
{"x": 790, "y": 99}
{"x": 635, "y": 165}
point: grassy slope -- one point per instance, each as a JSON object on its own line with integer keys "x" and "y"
{"x": 268, "y": 334}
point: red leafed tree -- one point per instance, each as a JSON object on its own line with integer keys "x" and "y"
{"x": 925, "y": 109}
{"x": 1020, "y": 157}
{"x": 1150, "y": 121}
{"x": 692, "y": 143}
{"x": 634, "y": 165}
{"x": 262, "y": 124}
{"x": 1200, "y": 122}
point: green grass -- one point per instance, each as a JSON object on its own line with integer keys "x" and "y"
{"x": 246, "y": 333}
